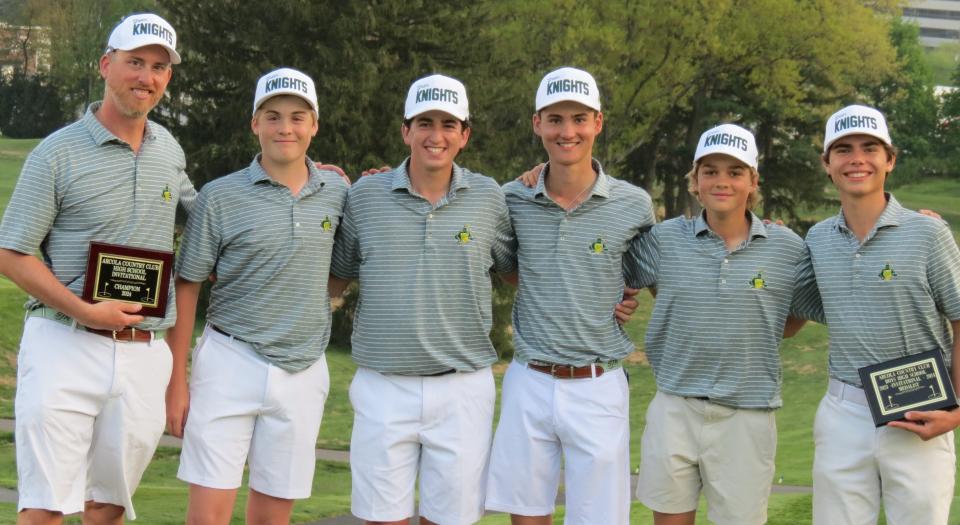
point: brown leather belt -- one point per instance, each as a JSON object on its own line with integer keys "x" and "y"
{"x": 127, "y": 335}
{"x": 567, "y": 371}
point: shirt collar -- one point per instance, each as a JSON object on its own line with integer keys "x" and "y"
{"x": 889, "y": 217}
{"x": 757, "y": 227}
{"x": 401, "y": 178}
{"x": 102, "y": 135}
{"x": 601, "y": 187}
{"x": 256, "y": 174}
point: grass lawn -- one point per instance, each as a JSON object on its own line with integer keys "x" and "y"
{"x": 162, "y": 498}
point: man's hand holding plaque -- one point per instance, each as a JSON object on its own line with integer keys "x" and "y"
{"x": 128, "y": 275}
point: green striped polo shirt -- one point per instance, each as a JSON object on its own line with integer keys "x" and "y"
{"x": 571, "y": 269}
{"x": 425, "y": 287}
{"x": 271, "y": 252}
{"x": 891, "y": 295}
{"x": 84, "y": 184}
{"x": 719, "y": 315}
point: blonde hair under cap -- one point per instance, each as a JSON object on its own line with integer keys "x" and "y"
{"x": 733, "y": 141}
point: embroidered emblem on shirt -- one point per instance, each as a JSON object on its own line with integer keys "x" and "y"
{"x": 326, "y": 224}
{"x": 464, "y": 236}
{"x": 887, "y": 273}
{"x": 758, "y": 282}
{"x": 166, "y": 195}
{"x": 597, "y": 246}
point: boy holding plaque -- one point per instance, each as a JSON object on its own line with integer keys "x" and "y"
{"x": 725, "y": 283}
{"x": 422, "y": 239}
{"x": 890, "y": 285}
{"x": 91, "y": 377}
{"x": 258, "y": 382}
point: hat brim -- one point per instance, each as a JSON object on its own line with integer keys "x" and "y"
{"x": 417, "y": 112}
{"x": 586, "y": 103}
{"x": 291, "y": 93}
{"x": 174, "y": 56}
{"x": 742, "y": 157}
{"x": 847, "y": 133}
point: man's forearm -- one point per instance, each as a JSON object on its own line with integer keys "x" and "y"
{"x": 32, "y": 276}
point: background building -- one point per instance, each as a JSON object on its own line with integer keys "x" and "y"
{"x": 939, "y": 21}
{"x": 24, "y": 48}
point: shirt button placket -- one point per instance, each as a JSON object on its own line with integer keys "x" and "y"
{"x": 857, "y": 273}
{"x": 429, "y": 223}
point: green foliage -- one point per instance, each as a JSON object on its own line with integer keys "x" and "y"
{"x": 907, "y": 98}
{"x": 949, "y": 150}
{"x": 29, "y": 106}
{"x": 78, "y": 35}
{"x": 943, "y": 61}
{"x": 362, "y": 55}
{"x": 669, "y": 70}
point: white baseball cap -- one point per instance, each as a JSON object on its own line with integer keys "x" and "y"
{"x": 144, "y": 29}
{"x": 568, "y": 83}
{"x": 728, "y": 139}
{"x": 286, "y": 81}
{"x": 856, "y": 120}
{"x": 437, "y": 92}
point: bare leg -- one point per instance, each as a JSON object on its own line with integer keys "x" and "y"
{"x": 39, "y": 517}
{"x": 683, "y": 518}
{"x": 210, "y": 506}
{"x": 96, "y": 513}
{"x": 268, "y": 510}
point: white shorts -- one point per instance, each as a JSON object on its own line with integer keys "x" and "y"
{"x": 89, "y": 414}
{"x": 856, "y": 465}
{"x": 692, "y": 444}
{"x": 584, "y": 423}
{"x": 438, "y": 425}
{"x": 242, "y": 408}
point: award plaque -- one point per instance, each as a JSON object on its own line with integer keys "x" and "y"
{"x": 129, "y": 275}
{"x": 916, "y": 382}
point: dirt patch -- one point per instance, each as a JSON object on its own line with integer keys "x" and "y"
{"x": 637, "y": 357}
{"x": 805, "y": 370}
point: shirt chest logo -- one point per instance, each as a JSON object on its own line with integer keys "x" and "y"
{"x": 758, "y": 282}
{"x": 326, "y": 225}
{"x": 464, "y": 236}
{"x": 597, "y": 247}
{"x": 887, "y": 273}
{"x": 166, "y": 194}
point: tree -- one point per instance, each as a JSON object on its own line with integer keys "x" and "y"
{"x": 669, "y": 70}
{"x": 79, "y": 30}
{"x": 362, "y": 55}
{"x": 29, "y": 106}
{"x": 908, "y": 102}
{"x": 949, "y": 130}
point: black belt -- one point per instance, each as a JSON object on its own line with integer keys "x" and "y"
{"x": 442, "y": 373}
{"x": 222, "y": 332}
